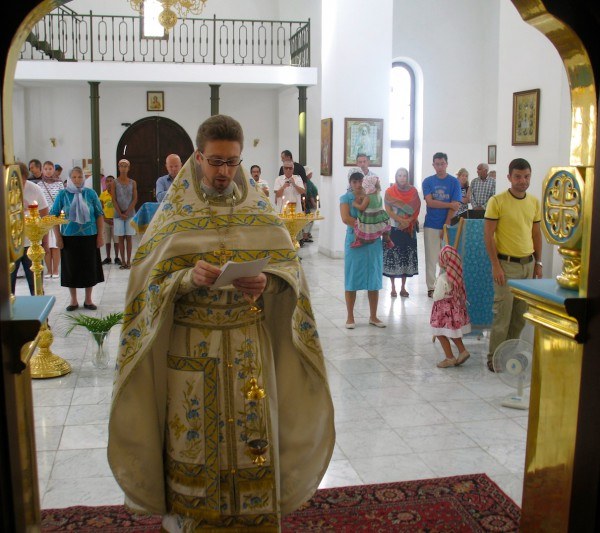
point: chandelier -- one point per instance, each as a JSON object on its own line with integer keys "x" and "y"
{"x": 172, "y": 8}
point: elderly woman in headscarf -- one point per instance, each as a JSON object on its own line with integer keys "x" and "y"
{"x": 81, "y": 239}
{"x": 402, "y": 204}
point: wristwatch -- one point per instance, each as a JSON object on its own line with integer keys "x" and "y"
{"x": 539, "y": 263}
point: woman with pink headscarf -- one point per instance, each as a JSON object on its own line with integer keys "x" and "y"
{"x": 449, "y": 316}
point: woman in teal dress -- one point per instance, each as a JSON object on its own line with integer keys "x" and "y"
{"x": 363, "y": 266}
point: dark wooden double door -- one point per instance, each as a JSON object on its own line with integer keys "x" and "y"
{"x": 146, "y": 144}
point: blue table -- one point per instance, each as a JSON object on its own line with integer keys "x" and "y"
{"x": 143, "y": 217}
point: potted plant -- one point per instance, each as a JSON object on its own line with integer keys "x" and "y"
{"x": 99, "y": 328}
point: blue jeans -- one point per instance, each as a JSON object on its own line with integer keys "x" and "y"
{"x": 26, "y": 262}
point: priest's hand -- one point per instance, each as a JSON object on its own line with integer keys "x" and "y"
{"x": 204, "y": 274}
{"x": 253, "y": 286}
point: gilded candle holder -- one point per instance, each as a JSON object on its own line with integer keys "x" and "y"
{"x": 44, "y": 363}
{"x": 294, "y": 222}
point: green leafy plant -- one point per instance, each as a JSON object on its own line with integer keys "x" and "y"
{"x": 97, "y": 326}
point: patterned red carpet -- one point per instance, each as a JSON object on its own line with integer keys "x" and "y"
{"x": 452, "y": 504}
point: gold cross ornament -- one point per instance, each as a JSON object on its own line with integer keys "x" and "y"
{"x": 223, "y": 254}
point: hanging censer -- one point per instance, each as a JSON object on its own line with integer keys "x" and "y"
{"x": 256, "y": 394}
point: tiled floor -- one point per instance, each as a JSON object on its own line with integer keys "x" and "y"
{"x": 398, "y": 417}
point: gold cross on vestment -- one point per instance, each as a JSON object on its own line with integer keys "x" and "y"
{"x": 223, "y": 254}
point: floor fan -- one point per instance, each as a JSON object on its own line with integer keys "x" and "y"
{"x": 512, "y": 364}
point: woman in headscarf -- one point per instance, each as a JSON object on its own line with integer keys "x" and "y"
{"x": 81, "y": 239}
{"x": 402, "y": 203}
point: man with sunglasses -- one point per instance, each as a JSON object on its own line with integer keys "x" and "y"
{"x": 205, "y": 411}
{"x": 289, "y": 188}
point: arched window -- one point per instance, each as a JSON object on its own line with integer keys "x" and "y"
{"x": 402, "y": 119}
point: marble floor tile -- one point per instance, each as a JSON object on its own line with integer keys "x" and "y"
{"x": 82, "y": 491}
{"x": 375, "y": 443}
{"x": 51, "y": 416}
{"x": 435, "y": 438}
{"x": 340, "y": 474}
{"x": 388, "y": 468}
{"x": 86, "y": 436}
{"x": 421, "y": 414}
{"x": 462, "y": 461}
{"x": 90, "y": 463}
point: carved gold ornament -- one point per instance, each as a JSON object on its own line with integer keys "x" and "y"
{"x": 562, "y": 218}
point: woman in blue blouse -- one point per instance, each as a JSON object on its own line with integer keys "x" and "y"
{"x": 81, "y": 239}
{"x": 363, "y": 266}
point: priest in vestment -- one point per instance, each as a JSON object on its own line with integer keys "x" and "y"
{"x": 221, "y": 414}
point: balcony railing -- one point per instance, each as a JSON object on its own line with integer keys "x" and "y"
{"x": 64, "y": 35}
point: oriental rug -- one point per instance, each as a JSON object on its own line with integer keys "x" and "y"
{"x": 471, "y": 503}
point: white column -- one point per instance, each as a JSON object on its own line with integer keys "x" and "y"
{"x": 356, "y": 56}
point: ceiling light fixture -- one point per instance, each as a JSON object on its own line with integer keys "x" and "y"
{"x": 172, "y": 10}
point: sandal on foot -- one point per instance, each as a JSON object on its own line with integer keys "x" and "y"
{"x": 490, "y": 366}
{"x": 393, "y": 294}
{"x": 404, "y": 294}
{"x": 446, "y": 363}
{"x": 462, "y": 357}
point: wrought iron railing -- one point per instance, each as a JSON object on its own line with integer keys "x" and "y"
{"x": 64, "y": 35}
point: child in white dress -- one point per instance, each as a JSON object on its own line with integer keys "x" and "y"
{"x": 449, "y": 316}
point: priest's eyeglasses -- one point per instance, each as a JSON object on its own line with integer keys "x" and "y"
{"x": 217, "y": 162}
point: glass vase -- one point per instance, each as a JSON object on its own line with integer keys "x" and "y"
{"x": 101, "y": 358}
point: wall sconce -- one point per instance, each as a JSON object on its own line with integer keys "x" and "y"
{"x": 53, "y": 142}
{"x": 255, "y": 142}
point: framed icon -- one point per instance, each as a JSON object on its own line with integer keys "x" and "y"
{"x": 155, "y": 101}
{"x": 526, "y": 117}
{"x": 363, "y": 136}
{"x": 491, "y": 154}
{"x": 326, "y": 146}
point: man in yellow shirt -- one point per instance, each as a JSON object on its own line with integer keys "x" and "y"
{"x": 109, "y": 213}
{"x": 513, "y": 241}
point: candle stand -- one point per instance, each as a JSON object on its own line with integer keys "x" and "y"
{"x": 294, "y": 222}
{"x": 45, "y": 363}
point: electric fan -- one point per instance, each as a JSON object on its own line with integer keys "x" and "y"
{"x": 512, "y": 364}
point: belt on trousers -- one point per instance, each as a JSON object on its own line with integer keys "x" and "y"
{"x": 522, "y": 260}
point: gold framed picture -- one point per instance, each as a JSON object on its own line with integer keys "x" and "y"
{"x": 491, "y": 154}
{"x": 363, "y": 136}
{"x": 526, "y": 117}
{"x": 326, "y": 146}
{"x": 155, "y": 101}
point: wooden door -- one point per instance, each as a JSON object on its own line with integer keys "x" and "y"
{"x": 146, "y": 144}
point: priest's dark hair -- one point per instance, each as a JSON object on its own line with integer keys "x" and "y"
{"x": 219, "y": 128}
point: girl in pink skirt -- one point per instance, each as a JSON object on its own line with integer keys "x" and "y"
{"x": 449, "y": 316}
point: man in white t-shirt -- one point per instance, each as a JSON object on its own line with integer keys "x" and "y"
{"x": 31, "y": 194}
{"x": 289, "y": 188}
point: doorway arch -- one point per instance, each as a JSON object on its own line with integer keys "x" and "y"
{"x": 146, "y": 144}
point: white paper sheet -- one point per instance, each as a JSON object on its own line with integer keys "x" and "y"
{"x": 232, "y": 270}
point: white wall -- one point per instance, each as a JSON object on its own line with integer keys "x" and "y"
{"x": 63, "y": 112}
{"x": 355, "y": 82}
{"x": 449, "y": 48}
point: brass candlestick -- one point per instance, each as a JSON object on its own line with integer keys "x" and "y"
{"x": 44, "y": 363}
{"x": 294, "y": 222}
